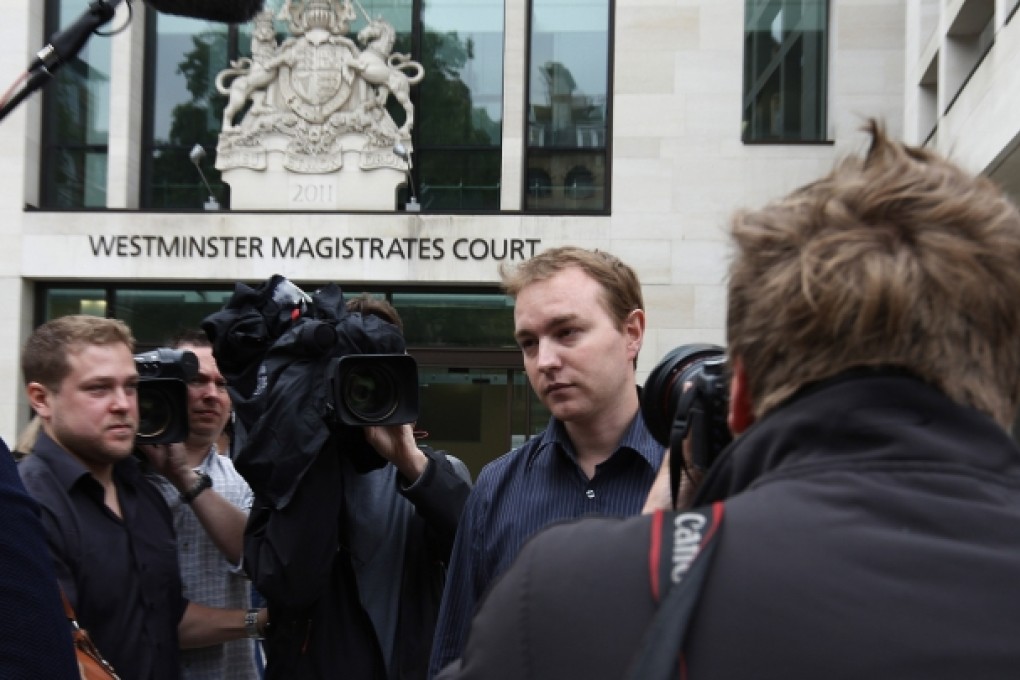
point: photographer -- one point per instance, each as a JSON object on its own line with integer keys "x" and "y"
{"x": 209, "y": 502}
{"x": 864, "y": 522}
{"x": 110, "y": 533}
{"x": 353, "y": 564}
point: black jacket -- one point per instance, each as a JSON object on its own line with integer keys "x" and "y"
{"x": 872, "y": 530}
{"x": 303, "y": 559}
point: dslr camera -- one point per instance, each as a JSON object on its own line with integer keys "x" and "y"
{"x": 164, "y": 375}
{"x": 688, "y": 393}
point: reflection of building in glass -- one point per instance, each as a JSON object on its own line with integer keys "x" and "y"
{"x": 784, "y": 70}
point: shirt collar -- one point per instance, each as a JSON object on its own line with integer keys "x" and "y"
{"x": 66, "y": 468}
{"x": 636, "y": 437}
{"x": 69, "y": 470}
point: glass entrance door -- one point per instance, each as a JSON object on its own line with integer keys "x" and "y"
{"x": 477, "y": 413}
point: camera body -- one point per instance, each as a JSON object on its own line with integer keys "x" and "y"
{"x": 163, "y": 376}
{"x": 688, "y": 393}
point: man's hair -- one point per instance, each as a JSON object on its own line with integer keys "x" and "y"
{"x": 195, "y": 337}
{"x": 899, "y": 258}
{"x": 621, "y": 290}
{"x": 44, "y": 356}
{"x": 367, "y": 304}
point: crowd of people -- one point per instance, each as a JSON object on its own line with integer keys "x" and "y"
{"x": 862, "y": 523}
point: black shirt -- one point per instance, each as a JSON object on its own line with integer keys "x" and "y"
{"x": 121, "y": 574}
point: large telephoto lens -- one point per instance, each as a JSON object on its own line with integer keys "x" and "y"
{"x": 665, "y": 385}
{"x": 371, "y": 392}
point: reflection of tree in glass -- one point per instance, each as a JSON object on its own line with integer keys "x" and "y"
{"x": 458, "y": 143}
{"x": 447, "y": 111}
{"x": 176, "y": 183}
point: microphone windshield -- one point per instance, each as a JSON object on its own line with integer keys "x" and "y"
{"x": 226, "y": 11}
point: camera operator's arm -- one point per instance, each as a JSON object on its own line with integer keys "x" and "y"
{"x": 428, "y": 478}
{"x": 396, "y": 444}
{"x": 289, "y": 552}
{"x": 222, "y": 520}
{"x": 203, "y": 626}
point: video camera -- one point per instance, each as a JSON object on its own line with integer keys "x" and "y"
{"x": 688, "y": 393}
{"x": 366, "y": 389}
{"x": 164, "y": 375}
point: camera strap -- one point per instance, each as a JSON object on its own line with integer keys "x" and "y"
{"x": 680, "y": 553}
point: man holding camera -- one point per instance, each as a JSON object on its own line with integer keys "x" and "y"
{"x": 209, "y": 502}
{"x": 353, "y": 564}
{"x": 109, "y": 531}
{"x": 580, "y": 322}
{"x": 865, "y": 518}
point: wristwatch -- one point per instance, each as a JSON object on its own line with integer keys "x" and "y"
{"x": 203, "y": 482}
{"x": 251, "y": 624}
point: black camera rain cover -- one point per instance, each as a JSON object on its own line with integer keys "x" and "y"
{"x": 278, "y": 379}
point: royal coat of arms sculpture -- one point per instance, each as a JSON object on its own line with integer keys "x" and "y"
{"x": 317, "y": 112}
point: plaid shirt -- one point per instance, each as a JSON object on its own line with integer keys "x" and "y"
{"x": 208, "y": 577}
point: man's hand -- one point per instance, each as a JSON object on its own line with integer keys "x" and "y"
{"x": 171, "y": 461}
{"x": 660, "y": 496}
{"x": 396, "y": 444}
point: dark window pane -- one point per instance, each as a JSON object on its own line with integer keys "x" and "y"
{"x": 64, "y": 301}
{"x": 156, "y": 316}
{"x": 568, "y": 106}
{"x": 560, "y": 181}
{"x": 785, "y": 45}
{"x": 442, "y": 320}
{"x": 461, "y": 105}
{"x": 462, "y": 53}
{"x": 187, "y": 110}
{"x": 458, "y": 180}
{"x": 76, "y": 120}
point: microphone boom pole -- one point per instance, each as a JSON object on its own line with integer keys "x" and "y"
{"x": 63, "y": 47}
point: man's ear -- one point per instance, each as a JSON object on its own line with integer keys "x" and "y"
{"x": 38, "y": 399}
{"x": 634, "y": 328}
{"x": 741, "y": 415}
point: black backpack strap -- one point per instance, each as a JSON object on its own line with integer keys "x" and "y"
{"x": 680, "y": 554}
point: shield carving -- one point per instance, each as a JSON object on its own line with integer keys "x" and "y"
{"x": 319, "y": 81}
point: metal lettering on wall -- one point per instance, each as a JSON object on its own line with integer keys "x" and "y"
{"x": 325, "y": 248}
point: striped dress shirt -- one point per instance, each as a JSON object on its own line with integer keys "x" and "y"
{"x": 522, "y": 492}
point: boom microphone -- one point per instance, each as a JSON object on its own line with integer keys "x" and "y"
{"x": 226, "y": 11}
{"x": 66, "y": 44}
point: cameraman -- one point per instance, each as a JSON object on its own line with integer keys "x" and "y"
{"x": 353, "y": 566}
{"x": 110, "y": 534}
{"x": 210, "y": 523}
{"x": 872, "y": 501}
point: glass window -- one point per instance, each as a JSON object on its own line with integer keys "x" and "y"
{"x": 440, "y": 319}
{"x": 458, "y": 134}
{"x": 186, "y": 110}
{"x": 785, "y": 47}
{"x": 568, "y": 106}
{"x": 76, "y": 117}
{"x": 64, "y": 301}
{"x": 156, "y": 316}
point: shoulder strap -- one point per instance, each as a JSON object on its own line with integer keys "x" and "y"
{"x": 682, "y": 545}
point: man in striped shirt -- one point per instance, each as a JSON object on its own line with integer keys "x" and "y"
{"x": 580, "y": 322}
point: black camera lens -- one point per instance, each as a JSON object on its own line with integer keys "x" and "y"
{"x": 370, "y": 392}
{"x": 156, "y": 413}
{"x": 665, "y": 386}
{"x": 376, "y": 389}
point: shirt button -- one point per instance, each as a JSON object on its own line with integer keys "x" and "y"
{"x": 590, "y": 493}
